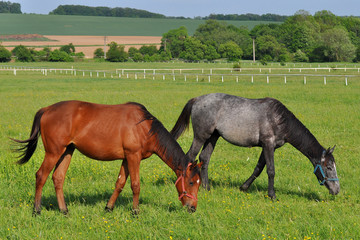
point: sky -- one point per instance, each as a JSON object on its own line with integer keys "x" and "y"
{"x": 194, "y": 8}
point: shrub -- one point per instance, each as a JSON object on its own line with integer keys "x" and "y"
{"x": 99, "y": 53}
{"x": 23, "y": 54}
{"x": 5, "y": 55}
{"x": 60, "y": 56}
{"x": 116, "y": 53}
{"x": 68, "y": 48}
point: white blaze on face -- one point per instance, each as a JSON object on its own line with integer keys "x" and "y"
{"x": 198, "y": 181}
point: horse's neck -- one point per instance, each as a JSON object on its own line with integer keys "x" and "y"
{"x": 171, "y": 156}
{"x": 304, "y": 141}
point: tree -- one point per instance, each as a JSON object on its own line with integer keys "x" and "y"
{"x": 116, "y": 53}
{"x": 193, "y": 50}
{"x": 60, "y": 56}
{"x": 268, "y": 48}
{"x": 132, "y": 51}
{"x": 70, "y": 48}
{"x": 231, "y": 51}
{"x": 173, "y": 41}
{"x": 99, "y": 53}
{"x": 338, "y": 45}
{"x": 23, "y": 54}
{"x": 150, "y": 50}
{"x": 5, "y": 55}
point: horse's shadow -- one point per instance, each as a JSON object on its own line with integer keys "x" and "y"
{"x": 259, "y": 187}
{"x": 124, "y": 200}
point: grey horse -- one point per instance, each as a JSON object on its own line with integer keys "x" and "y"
{"x": 265, "y": 123}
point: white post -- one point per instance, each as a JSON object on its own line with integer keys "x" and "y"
{"x": 135, "y": 76}
{"x": 325, "y": 80}
{"x": 267, "y": 79}
{"x": 90, "y": 74}
{"x": 252, "y": 79}
{"x": 222, "y": 78}
{"x": 163, "y": 76}
{"x": 174, "y": 77}
{"x": 14, "y": 71}
{"x": 304, "y": 79}
{"x": 97, "y": 74}
{"x": 209, "y": 78}
{"x": 185, "y": 77}
{"x": 197, "y": 78}
{"x": 285, "y": 79}
{"x": 237, "y": 78}
{"x": 346, "y": 81}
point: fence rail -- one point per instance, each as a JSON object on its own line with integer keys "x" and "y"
{"x": 198, "y": 74}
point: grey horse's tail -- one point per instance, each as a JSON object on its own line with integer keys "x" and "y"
{"x": 29, "y": 145}
{"x": 183, "y": 121}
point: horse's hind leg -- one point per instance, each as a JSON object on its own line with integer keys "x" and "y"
{"x": 59, "y": 177}
{"x": 120, "y": 183}
{"x": 258, "y": 169}
{"x": 41, "y": 176}
{"x": 205, "y": 158}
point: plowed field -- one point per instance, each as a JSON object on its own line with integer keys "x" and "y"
{"x": 86, "y": 44}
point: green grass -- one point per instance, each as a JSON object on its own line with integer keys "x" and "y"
{"x": 99, "y": 26}
{"x": 305, "y": 210}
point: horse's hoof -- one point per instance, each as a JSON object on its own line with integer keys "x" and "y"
{"x": 65, "y": 212}
{"x": 36, "y": 213}
{"x": 135, "y": 212}
{"x": 244, "y": 188}
{"x": 108, "y": 209}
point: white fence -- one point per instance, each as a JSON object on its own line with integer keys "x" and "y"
{"x": 203, "y": 74}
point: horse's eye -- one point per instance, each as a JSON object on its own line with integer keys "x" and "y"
{"x": 191, "y": 183}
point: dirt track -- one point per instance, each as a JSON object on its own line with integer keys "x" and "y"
{"x": 86, "y": 44}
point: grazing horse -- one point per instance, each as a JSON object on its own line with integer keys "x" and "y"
{"x": 265, "y": 123}
{"x": 106, "y": 132}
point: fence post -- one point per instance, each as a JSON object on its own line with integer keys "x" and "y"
{"x": 285, "y": 79}
{"x": 252, "y": 79}
{"x": 209, "y": 78}
{"x": 267, "y": 79}
{"x": 222, "y": 78}
{"x": 305, "y": 80}
{"x": 346, "y": 81}
{"x": 325, "y": 80}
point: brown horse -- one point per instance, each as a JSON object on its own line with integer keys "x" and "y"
{"x": 106, "y": 132}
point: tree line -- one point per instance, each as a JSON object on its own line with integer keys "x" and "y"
{"x": 8, "y": 7}
{"x": 322, "y": 37}
{"x": 104, "y": 11}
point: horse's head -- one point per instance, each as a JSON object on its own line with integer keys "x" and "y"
{"x": 325, "y": 171}
{"x": 187, "y": 186}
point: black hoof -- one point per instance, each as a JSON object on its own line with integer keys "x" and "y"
{"x": 107, "y": 209}
{"x": 36, "y": 213}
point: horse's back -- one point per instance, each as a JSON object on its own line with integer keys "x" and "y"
{"x": 241, "y": 121}
{"x": 98, "y": 131}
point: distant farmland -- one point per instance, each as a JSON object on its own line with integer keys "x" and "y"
{"x": 99, "y": 26}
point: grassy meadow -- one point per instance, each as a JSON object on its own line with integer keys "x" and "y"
{"x": 304, "y": 209}
{"x": 99, "y": 26}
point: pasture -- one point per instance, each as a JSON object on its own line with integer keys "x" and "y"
{"x": 304, "y": 209}
{"x": 99, "y": 26}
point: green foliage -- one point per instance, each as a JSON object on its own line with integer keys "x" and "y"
{"x": 23, "y": 54}
{"x": 193, "y": 50}
{"x": 116, "y": 53}
{"x": 149, "y": 50}
{"x": 5, "y": 55}
{"x": 338, "y": 45}
{"x": 99, "y": 53}
{"x": 231, "y": 51}
{"x": 60, "y": 56}
{"x": 173, "y": 41}
{"x": 70, "y": 48}
{"x": 103, "y": 11}
{"x": 8, "y": 7}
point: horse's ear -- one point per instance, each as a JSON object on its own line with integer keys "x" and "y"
{"x": 330, "y": 151}
{"x": 200, "y": 164}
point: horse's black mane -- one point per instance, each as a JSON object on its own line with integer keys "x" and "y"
{"x": 294, "y": 131}
{"x": 166, "y": 143}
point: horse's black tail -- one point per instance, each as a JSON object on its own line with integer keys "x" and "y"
{"x": 29, "y": 145}
{"x": 184, "y": 119}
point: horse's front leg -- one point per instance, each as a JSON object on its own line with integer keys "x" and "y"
{"x": 257, "y": 171}
{"x": 270, "y": 168}
{"x": 120, "y": 183}
{"x": 133, "y": 161}
{"x": 205, "y": 159}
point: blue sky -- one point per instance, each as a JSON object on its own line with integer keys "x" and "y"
{"x": 193, "y": 8}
